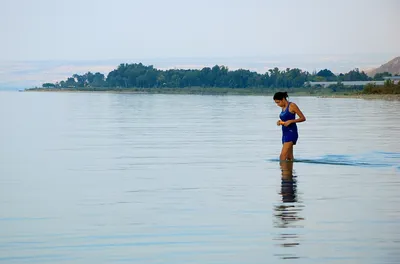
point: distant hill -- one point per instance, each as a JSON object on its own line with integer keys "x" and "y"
{"x": 392, "y": 67}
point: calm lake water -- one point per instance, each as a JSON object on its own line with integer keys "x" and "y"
{"x": 125, "y": 178}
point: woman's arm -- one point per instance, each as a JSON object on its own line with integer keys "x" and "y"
{"x": 297, "y": 110}
{"x": 294, "y": 108}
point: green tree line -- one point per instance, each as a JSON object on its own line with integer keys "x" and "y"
{"x": 389, "y": 87}
{"x": 138, "y": 75}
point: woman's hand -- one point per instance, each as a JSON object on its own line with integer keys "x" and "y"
{"x": 279, "y": 122}
{"x": 287, "y": 123}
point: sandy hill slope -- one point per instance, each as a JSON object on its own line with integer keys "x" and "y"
{"x": 392, "y": 66}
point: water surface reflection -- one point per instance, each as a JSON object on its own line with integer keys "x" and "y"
{"x": 288, "y": 212}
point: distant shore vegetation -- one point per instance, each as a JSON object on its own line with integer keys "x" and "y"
{"x": 219, "y": 80}
{"x": 389, "y": 87}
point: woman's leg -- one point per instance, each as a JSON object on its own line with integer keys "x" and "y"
{"x": 287, "y": 170}
{"x": 290, "y": 156}
{"x": 286, "y": 148}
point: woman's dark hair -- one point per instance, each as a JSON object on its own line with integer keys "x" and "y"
{"x": 280, "y": 95}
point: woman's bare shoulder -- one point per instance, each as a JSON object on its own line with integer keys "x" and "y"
{"x": 293, "y": 105}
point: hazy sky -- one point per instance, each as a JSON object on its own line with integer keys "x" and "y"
{"x": 120, "y": 29}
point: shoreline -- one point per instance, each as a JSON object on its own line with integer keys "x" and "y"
{"x": 223, "y": 91}
{"x": 176, "y": 91}
{"x": 389, "y": 97}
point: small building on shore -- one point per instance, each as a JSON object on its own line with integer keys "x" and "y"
{"x": 346, "y": 83}
{"x": 395, "y": 79}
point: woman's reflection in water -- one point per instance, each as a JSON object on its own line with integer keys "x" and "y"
{"x": 287, "y": 212}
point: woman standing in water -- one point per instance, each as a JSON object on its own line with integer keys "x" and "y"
{"x": 288, "y": 122}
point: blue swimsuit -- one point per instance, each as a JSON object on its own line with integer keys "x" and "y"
{"x": 289, "y": 133}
